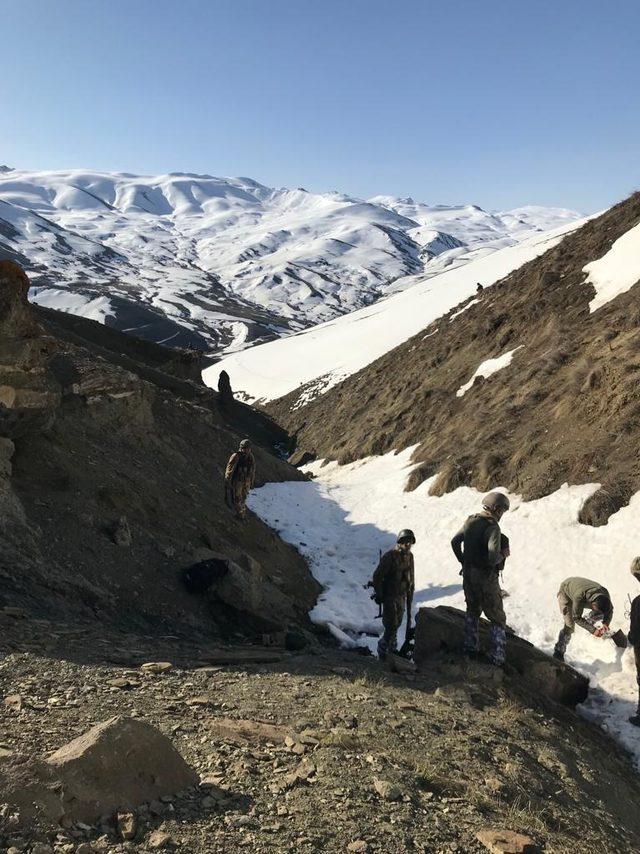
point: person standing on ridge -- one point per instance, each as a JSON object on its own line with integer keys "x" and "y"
{"x": 239, "y": 478}
{"x": 224, "y": 388}
{"x": 479, "y": 549}
{"x": 393, "y": 588}
{"x": 574, "y": 596}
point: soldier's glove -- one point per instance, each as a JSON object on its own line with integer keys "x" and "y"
{"x": 600, "y": 632}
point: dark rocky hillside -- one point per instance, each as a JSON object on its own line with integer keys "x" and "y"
{"x": 566, "y": 409}
{"x": 104, "y": 438}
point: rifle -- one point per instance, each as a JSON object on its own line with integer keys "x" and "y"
{"x": 407, "y": 647}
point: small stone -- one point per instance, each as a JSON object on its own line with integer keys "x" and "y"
{"x": 506, "y": 842}
{"x": 13, "y": 702}
{"x": 122, "y": 682}
{"x": 156, "y": 666}
{"x": 387, "y": 791}
{"x": 122, "y": 533}
{"x": 358, "y": 846}
{"x": 84, "y": 848}
{"x": 41, "y": 848}
{"x": 127, "y": 825}
{"x": 202, "y": 700}
{"x": 159, "y": 839}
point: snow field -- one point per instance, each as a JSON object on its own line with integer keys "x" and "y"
{"x": 344, "y": 346}
{"x": 617, "y": 271}
{"x": 341, "y": 520}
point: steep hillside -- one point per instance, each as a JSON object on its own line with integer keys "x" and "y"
{"x": 111, "y": 484}
{"x": 219, "y": 263}
{"x": 559, "y": 399}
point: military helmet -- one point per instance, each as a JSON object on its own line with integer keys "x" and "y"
{"x": 246, "y": 443}
{"x": 635, "y": 566}
{"x": 406, "y": 535}
{"x": 495, "y": 501}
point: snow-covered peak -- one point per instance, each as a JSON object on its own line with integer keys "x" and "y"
{"x": 221, "y": 262}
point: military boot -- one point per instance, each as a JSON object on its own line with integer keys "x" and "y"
{"x": 561, "y": 645}
{"x": 498, "y": 652}
{"x": 635, "y": 719}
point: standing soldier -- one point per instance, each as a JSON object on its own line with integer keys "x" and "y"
{"x": 634, "y": 636}
{"x": 224, "y": 388}
{"x": 393, "y": 587}
{"x": 478, "y": 547}
{"x": 574, "y": 596}
{"x": 239, "y": 478}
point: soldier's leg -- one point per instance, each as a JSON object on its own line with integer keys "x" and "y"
{"x": 471, "y": 642}
{"x": 635, "y": 719}
{"x": 239, "y": 499}
{"x": 494, "y": 611}
{"x": 564, "y": 603}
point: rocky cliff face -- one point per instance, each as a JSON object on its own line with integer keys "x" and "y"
{"x": 111, "y": 482}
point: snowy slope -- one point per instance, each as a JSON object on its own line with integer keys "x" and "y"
{"x": 329, "y": 352}
{"x": 342, "y": 518}
{"x": 220, "y": 262}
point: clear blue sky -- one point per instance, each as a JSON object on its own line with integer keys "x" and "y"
{"x": 497, "y": 102}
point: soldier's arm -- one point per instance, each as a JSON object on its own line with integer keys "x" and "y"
{"x": 456, "y": 545}
{"x": 634, "y": 628}
{"x": 379, "y": 577}
{"x": 577, "y": 607}
{"x": 231, "y": 466}
{"x": 494, "y": 545}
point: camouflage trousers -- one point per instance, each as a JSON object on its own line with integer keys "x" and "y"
{"x": 392, "y": 614}
{"x": 482, "y": 595}
{"x": 236, "y": 497}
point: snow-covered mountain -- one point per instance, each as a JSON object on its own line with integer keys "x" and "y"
{"x": 221, "y": 262}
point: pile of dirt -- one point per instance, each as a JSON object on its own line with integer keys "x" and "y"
{"x": 565, "y": 409}
{"x": 111, "y": 483}
{"x": 326, "y": 752}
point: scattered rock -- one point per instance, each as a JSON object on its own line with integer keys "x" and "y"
{"x": 358, "y": 846}
{"x": 507, "y": 842}
{"x": 159, "y": 839}
{"x": 156, "y": 666}
{"x": 121, "y": 533}
{"x": 127, "y": 825}
{"x": 387, "y": 791}
{"x": 248, "y": 732}
{"x": 121, "y": 762}
{"x": 13, "y": 702}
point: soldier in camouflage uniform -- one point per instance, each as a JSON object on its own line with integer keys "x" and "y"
{"x": 574, "y": 596}
{"x": 634, "y": 636}
{"x": 239, "y": 478}
{"x": 393, "y": 588}
{"x": 479, "y": 548}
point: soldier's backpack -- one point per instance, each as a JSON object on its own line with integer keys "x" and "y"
{"x": 199, "y": 577}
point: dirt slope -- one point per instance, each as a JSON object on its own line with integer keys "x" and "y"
{"x": 463, "y": 752}
{"x": 566, "y": 409}
{"x": 95, "y": 426}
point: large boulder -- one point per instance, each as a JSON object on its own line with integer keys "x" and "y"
{"x": 442, "y": 629}
{"x": 119, "y": 763}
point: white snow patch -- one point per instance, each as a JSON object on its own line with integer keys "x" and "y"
{"x": 343, "y": 346}
{"x": 462, "y": 310}
{"x": 94, "y": 308}
{"x": 343, "y": 518}
{"x": 617, "y": 271}
{"x": 487, "y": 368}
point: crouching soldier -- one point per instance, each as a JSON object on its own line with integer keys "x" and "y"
{"x": 393, "y": 588}
{"x": 239, "y": 478}
{"x": 634, "y": 636}
{"x": 574, "y": 596}
{"x": 479, "y": 548}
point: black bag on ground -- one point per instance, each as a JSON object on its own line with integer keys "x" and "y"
{"x": 199, "y": 577}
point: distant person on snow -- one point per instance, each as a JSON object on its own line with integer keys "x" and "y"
{"x": 634, "y": 636}
{"x": 393, "y": 588}
{"x": 224, "y": 388}
{"x": 479, "y": 288}
{"x": 574, "y": 596}
{"x": 479, "y": 547}
{"x": 239, "y": 478}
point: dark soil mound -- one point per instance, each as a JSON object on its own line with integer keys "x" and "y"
{"x": 111, "y": 467}
{"x": 566, "y": 409}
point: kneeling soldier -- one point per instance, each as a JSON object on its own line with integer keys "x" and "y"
{"x": 574, "y": 596}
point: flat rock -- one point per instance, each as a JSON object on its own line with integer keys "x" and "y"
{"x": 119, "y": 763}
{"x": 249, "y": 732}
{"x": 387, "y": 791}
{"x": 156, "y": 666}
{"x": 507, "y": 842}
